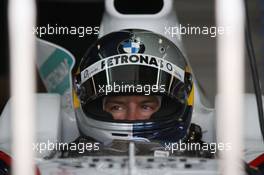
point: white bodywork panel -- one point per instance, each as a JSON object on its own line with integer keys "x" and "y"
{"x": 253, "y": 145}
{"x": 52, "y": 125}
{"x": 48, "y": 122}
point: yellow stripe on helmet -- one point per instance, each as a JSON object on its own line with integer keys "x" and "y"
{"x": 76, "y": 101}
{"x": 191, "y": 97}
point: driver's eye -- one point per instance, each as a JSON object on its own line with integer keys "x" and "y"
{"x": 116, "y": 108}
{"x": 146, "y": 107}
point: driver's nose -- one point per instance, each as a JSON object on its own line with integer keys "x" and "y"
{"x": 133, "y": 112}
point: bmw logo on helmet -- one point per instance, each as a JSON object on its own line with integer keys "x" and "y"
{"x": 131, "y": 46}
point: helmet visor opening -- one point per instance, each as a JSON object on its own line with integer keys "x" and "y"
{"x": 134, "y": 108}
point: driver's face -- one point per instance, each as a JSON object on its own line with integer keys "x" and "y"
{"x": 131, "y": 107}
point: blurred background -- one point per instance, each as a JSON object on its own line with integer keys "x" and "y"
{"x": 201, "y": 49}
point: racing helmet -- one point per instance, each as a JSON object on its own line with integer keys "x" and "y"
{"x": 120, "y": 62}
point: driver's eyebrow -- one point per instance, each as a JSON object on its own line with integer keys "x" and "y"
{"x": 149, "y": 101}
{"x": 114, "y": 101}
